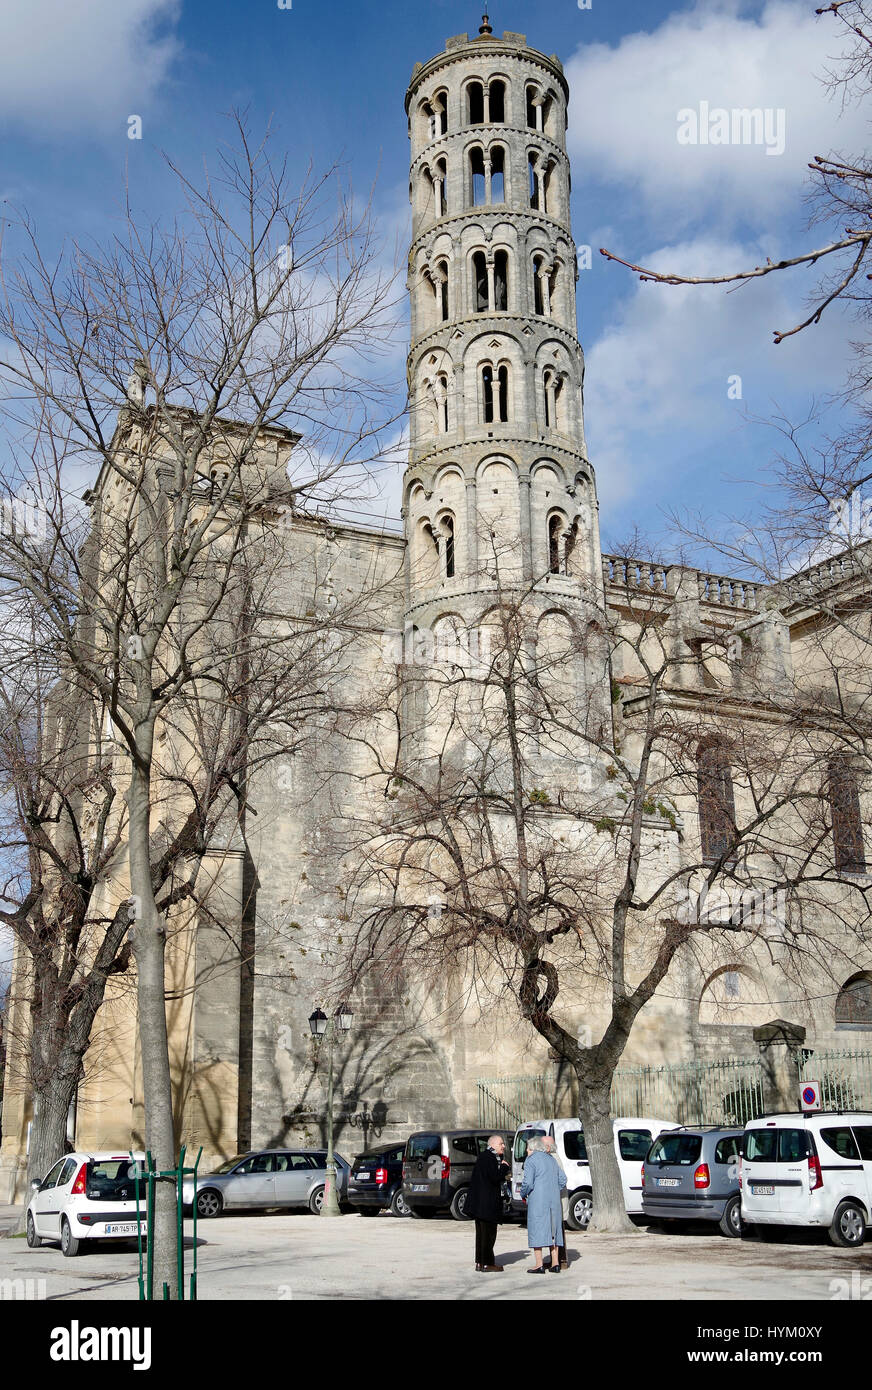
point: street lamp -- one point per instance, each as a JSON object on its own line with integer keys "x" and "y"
{"x": 320, "y": 1025}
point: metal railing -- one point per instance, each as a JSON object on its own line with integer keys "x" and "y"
{"x": 845, "y": 1076}
{"x": 728, "y": 1091}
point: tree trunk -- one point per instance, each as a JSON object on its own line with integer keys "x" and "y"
{"x": 594, "y": 1100}
{"x": 149, "y": 945}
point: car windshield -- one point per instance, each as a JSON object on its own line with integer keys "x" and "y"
{"x": 675, "y": 1148}
{"x": 423, "y": 1146}
{"x": 522, "y": 1139}
{"x": 230, "y": 1163}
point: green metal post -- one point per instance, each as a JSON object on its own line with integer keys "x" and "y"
{"x": 138, "y": 1229}
{"x": 194, "y": 1225}
{"x": 150, "y": 1230}
{"x": 180, "y": 1242}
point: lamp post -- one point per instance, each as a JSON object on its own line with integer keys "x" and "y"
{"x": 320, "y": 1025}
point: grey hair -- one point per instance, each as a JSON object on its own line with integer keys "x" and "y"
{"x": 535, "y": 1145}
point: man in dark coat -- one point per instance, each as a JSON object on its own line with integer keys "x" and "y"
{"x": 485, "y": 1202}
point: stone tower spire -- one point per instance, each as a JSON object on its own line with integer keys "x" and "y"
{"x": 498, "y": 488}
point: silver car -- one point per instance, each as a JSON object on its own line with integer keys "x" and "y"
{"x": 267, "y": 1178}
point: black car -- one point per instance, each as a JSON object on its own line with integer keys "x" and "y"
{"x": 375, "y": 1182}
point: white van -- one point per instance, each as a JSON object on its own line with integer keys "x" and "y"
{"x": 633, "y": 1138}
{"x": 809, "y": 1170}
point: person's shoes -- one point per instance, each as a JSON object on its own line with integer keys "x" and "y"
{"x": 546, "y": 1264}
{"x": 537, "y": 1269}
{"x": 479, "y": 1268}
{"x": 555, "y": 1269}
{"x": 492, "y": 1269}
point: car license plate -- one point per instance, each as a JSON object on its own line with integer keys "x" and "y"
{"x": 361, "y": 1175}
{"x": 121, "y": 1228}
{"x": 669, "y": 1182}
{"x": 766, "y": 1190}
{"x": 420, "y": 1186}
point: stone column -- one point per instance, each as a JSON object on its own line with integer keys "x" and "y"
{"x": 780, "y": 1045}
{"x": 526, "y": 527}
{"x": 471, "y": 528}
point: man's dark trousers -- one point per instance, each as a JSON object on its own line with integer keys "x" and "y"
{"x": 485, "y": 1239}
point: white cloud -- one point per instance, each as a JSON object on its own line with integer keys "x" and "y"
{"x": 625, "y": 101}
{"x": 656, "y": 381}
{"x": 67, "y": 67}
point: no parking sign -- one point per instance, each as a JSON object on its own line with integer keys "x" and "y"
{"x": 811, "y": 1095}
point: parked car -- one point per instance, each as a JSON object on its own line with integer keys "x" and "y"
{"x": 266, "y": 1178}
{"x": 437, "y": 1168}
{"x": 809, "y": 1170}
{"x": 86, "y": 1197}
{"x": 376, "y": 1181}
{"x": 692, "y": 1174}
{"x": 633, "y": 1138}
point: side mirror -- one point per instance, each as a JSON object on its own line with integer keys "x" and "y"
{"x": 36, "y": 1184}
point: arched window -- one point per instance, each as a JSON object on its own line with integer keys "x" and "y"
{"x": 442, "y": 289}
{"x": 479, "y": 280}
{"x": 440, "y": 113}
{"x": 547, "y": 182}
{"x": 534, "y": 180}
{"x": 538, "y": 297}
{"x": 497, "y": 102}
{"x": 440, "y": 185}
{"x": 442, "y": 402}
{"x": 555, "y": 526}
{"x": 498, "y": 174}
{"x": 501, "y": 280}
{"x": 448, "y": 532}
{"x": 476, "y": 178}
{"x": 495, "y": 393}
{"x": 475, "y": 103}
{"x": 844, "y": 797}
{"x": 854, "y": 1003}
{"x": 717, "y": 811}
{"x": 553, "y": 389}
{"x": 532, "y": 93}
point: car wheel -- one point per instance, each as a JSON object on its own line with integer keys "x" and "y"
{"x": 423, "y": 1212}
{"x": 458, "y": 1205}
{"x": 33, "y": 1240}
{"x": 316, "y": 1201}
{"x": 69, "y": 1243}
{"x": 399, "y": 1206}
{"x": 731, "y": 1220}
{"x": 369, "y": 1211}
{"x": 209, "y": 1203}
{"x": 849, "y": 1223}
{"x": 579, "y": 1210}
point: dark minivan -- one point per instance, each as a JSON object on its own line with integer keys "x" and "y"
{"x": 375, "y": 1182}
{"x": 438, "y": 1165}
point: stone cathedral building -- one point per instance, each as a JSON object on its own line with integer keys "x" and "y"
{"x": 497, "y": 464}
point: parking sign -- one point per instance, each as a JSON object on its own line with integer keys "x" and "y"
{"x": 811, "y": 1095}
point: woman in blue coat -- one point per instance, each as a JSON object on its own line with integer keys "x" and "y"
{"x": 544, "y": 1180}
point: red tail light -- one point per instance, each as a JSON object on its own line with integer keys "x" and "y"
{"x": 446, "y": 1166}
{"x": 643, "y": 1175}
{"x": 814, "y": 1172}
{"x": 740, "y": 1172}
{"x": 79, "y": 1184}
{"x": 381, "y": 1176}
{"x": 702, "y": 1177}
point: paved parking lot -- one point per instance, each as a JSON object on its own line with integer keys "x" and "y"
{"x": 297, "y": 1256}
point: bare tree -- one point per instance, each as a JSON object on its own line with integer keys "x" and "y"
{"x": 218, "y": 376}
{"x": 567, "y": 790}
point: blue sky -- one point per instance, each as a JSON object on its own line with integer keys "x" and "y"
{"x": 332, "y": 75}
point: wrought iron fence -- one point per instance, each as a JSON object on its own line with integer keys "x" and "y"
{"x": 845, "y": 1077}
{"x": 729, "y": 1091}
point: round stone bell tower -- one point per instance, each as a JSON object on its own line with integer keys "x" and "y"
{"x": 499, "y": 492}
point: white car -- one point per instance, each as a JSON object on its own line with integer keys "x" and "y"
{"x": 809, "y": 1170}
{"x": 86, "y": 1196}
{"x": 633, "y": 1138}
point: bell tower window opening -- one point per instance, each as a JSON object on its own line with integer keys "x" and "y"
{"x": 487, "y": 382}
{"x": 476, "y": 178}
{"x": 532, "y": 108}
{"x": 495, "y": 393}
{"x": 534, "y": 181}
{"x": 717, "y": 812}
{"x": 498, "y": 174}
{"x": 497, "y": 102}
{"x": 555, "y": 526}
{"x": 479, "y": 278}
{"x": 442, "y": 402}
{"x": 475, "y": 103}
{"x": 538, "y": 298}
{"x": 448, "y": 530}
{"x": 501, "y": 280}
{"x": 442, "y": 290}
